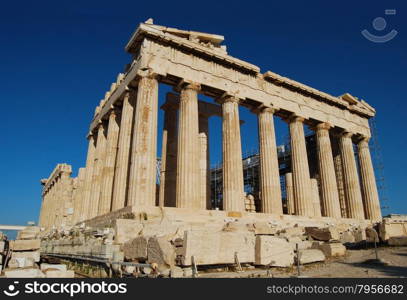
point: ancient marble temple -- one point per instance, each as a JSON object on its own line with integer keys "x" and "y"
{"x": 121, "y": 159}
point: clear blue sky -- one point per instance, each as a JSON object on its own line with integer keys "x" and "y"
{"x": 57, "y": 59}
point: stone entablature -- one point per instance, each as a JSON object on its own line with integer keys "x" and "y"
{"x": 220, "y": 75}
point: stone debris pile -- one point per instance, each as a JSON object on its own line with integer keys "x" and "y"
{"x": 21, "y": 257}
{"x": 173, "y": 250}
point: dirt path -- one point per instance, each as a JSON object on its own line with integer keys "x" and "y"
{"x": 352, "y": 265}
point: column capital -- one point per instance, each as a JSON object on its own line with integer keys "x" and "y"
{"x": 114, "y": 111}
{"x": 346, "y": 134}
{"x": 149, "y": 73}
{"x": 187, "y": 85}
{"x": 100, "y": 125}
{"x": 90, "y": 135}
{"x": 226, "y": 97}
{"x": 363, "y": 141}
{"x": 295, "y": 118}
{"x": 322, "y": 126}
{"x": 265, "y": 109}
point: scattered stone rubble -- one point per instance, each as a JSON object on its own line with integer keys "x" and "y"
{"x": 20, "y": 258}
{"x": 173, "y": 248}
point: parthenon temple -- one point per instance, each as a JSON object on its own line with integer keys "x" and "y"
{"x": 120, "y": 176}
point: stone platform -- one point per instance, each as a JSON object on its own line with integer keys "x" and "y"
{"x": 172, "y": 237}
{"x": 179, "y": 217}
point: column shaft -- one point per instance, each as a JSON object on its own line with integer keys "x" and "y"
{"x": 269, "y": 171}
{"x": 66, "y": 197}
{"x": 142, "y": 184}
{"x": 109, "y": 163}
{"x": 233, "y": 191}
{"x": 187, "y": 186}
{"x": 120, "y": 184}
{"x": 78, "y": 196}
{"x": 300, "y": 169}
{"x": 168, "y": 175}
{"x": 100, "y": 155}
{"x": 42, "y": 210}
{"x": 339, "y": 175}
{"x": 369, "y": 188}
{"x": 315, "y": 197}
{"x": 205, "y": 194}
{"x": 87, "y": 185}
{"x": 329, "y": 188}
{"x": 289, "y": 193}
{"x": 351, "y": 178}
{"x": 57, "y": 203}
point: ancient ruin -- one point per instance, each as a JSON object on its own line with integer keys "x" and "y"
{"x": 117, "y": 190}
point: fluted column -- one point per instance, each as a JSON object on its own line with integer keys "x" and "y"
{"x": 78, "y": 194}
{"x": 369, "y": 188}
{"x": 329, "y": 189}
{"x": 289, "y": 193}
{"x": 120, "y": 184}
{"x": 168, "y": 175}
{"x": 300, "y": 169}
{"x": 87, "y": 185}
{"x": 100, "y": 155}
{"x": 109, "y": 163}
{"x": 53, "y": 204}
{"x": 49, "y": 208}
{"x": 43, "y": 208}
{"x": 233, "y": 191}
{"x": 57, "y": 202}
{"x": 187, "y": 186}
{"x": 315, "y": 197}
{"x": 142, "y": 181}
{"x": 66, "y": 197}
{"x": 269, "y": 171}
{"x": 351, "y": 179}
{"x": 339, "y": 174}
{"x": 205, "y": 194}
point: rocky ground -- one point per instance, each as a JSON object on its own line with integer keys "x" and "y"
{"x": 354, "y": 264}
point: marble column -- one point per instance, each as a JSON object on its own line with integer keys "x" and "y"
{"x": 188, "y": 177}
{"x": 353, "y": 193}
{"x": 204, "y": 166}
{"x": 78, "y": 194}
{"x": 315, "y": 197}
{"x": 269, "y": 170}
{"x": 87, "y": 185}
{"x": 100, "y": 154}
{"x": 52, "y": 207}
{"x": 329, "y": 189}
{"x": 49, "y": 207}
{"x": 142, "y": 180}
{"x": 120, "y": 184}
{"x": 57, "y": 202}
{"x": 300, "y": 169}
{"x": 339, "y": 174}
{"x": 44, "y": 204}
{"x": 289, "y": 193}
{"x": 66, "y": 197}
{"x": 105, "y": 201}
{"x": 233, "y": 190}
{"x": 369, "y": 188}
{"x": 168, "y": 173}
